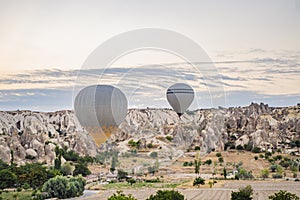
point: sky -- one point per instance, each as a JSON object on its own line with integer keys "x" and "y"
{"x": 253, "y": 45}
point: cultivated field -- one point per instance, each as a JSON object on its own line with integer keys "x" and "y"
{"x": 262, "y": 189}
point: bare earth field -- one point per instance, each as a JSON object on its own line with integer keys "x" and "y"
{"x": 262, "y": 189}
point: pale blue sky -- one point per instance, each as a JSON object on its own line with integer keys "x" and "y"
{"x": 48, "y": 35}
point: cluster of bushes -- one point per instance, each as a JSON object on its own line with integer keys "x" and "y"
{"x": 246, "y": 193}
{"x": 160, "y": 194}
{"x": 29, "y": 175}
{"x": 185, "y": 164}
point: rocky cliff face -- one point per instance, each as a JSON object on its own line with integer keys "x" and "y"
{"x": 33, "y": 134}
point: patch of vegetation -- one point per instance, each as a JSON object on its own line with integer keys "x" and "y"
{"x": 16, "y": 195}
{"x": 199, "y": 181}
{"x": 63, "y": 187}
{"x": 121, "y": 196}
{"x": 134, "y": 144}
{"x": 81, "y": 168}
{"x": 284, "y": 195}
{"x": 169, "y": 138}
{"x": 265, "y": 173}
{"x": 243, "y": 193}
{"x": 166, "y": 195}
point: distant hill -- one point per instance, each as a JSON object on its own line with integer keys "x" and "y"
{"x": 33, "y": 135}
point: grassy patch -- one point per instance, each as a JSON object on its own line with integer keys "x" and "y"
{"x": 125, "y": 185}
{"x": 16, "y": 195}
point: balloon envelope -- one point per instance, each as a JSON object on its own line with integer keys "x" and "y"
{"x": 180, "y": 96}
{"x": 100, "y": 109}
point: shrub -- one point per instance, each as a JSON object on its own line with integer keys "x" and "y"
{"x": 218, "y": 154}
{"x": 284, "y": 195}
{"x": 255, "y": 157}
{"x": 277, "y": 175}
{"x": 3, "y": 165}
{"x": 166, "y": 195}
{"x": 256, "y": 150}
{"x": 153, "y": 154}
{"x": 220, "y": 159}
{"x": 265, "y": 173}
{"x": 239, "y": 147}
{"x": 169, "y": 138}
{"x": 7, "y": 179}
{"x": 243, "y": 193}
{"x": 208, "y": 162}
{"x": 273, "y": 168}
{"x": 121, "y": 196}
{"x": 198, "y": 181}
{"x": 197, "y": 148}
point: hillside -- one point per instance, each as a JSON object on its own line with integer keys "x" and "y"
{"x": 34, "y": 134}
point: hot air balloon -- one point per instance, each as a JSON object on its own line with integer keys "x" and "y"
{"x": 100, "y": 109}
{"x": 180, "y": 96}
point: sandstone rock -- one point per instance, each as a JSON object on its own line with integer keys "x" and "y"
{"x": 31, "y": 152}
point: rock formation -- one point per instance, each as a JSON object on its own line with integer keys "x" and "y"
{"x": 34, "y": 134}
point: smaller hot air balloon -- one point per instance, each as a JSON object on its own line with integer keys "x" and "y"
{"x": 180, "y": 96}
{"x": 100, "y": 109}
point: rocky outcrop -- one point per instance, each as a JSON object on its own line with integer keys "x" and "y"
{"x": 35, "y": 134}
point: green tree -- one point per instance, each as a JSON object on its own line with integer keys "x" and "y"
{"x": 197, "y": 164}
{"x": 198, "y": 181}
{"x": 12, "y": 158}
{"x": 63, "y": 187}
{"x": 113, "y": 164}
{"x": 122, "y": 174}
{"x": 35, "y": 174}
{"x": 243, "y": 193}
{"x": 121, "y": 196}
{"x": 81, "y": 168}
{"x": 284, "y": 195}
{"x": 7, "y": 179}
{"x": 166, "y": 195}
{"x": 225, "y": 173}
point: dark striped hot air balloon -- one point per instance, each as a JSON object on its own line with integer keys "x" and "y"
{"x": 100, "y": 109}
{"x": 180, "y": 96}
